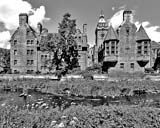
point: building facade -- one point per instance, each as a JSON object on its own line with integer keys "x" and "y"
{"x": 26, "y": 55}
{"x": 83, "y": 47}
{"x": 125, "y": 49}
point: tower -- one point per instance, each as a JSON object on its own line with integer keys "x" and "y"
{"x": 101, "y": 29}
{"x": 100, "y": 33}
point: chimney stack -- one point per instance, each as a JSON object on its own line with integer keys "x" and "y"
{"x": 39, "y": 28}
{"x": 127, "y": 15}
{"x": 85, "y": 28}
{"x": 23, "y": 19}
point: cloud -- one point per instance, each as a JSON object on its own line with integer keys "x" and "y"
{"x": 10, "y": 10}
{"x": 152, "y": 31}
{"x": 116, "y": 19}
{"x": 4, "y": 39}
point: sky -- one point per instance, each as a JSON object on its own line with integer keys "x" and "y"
{"x": 50, "y": 13}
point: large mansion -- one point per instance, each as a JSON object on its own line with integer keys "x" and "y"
{"x": 125, "y": 48}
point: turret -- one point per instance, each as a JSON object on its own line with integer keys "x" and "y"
{"x": 23, "y": 19}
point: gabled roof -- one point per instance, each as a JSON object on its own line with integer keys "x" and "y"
{"x": 141, "y": 34}
{"x": 155, "y": 45}
{"x": 111, "y": 34}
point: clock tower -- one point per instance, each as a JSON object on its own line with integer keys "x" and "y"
{"x": 101, "y": 30}
{"x": 100, "y": 33}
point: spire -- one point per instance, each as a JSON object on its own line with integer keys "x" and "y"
{"x": 101, "y": 17}
{"x": 141, "y": 34}
{"x": 111, "y": 35}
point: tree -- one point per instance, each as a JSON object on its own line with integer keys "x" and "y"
{"x": 5, "y": 60}
{"x": 62, "y": 46}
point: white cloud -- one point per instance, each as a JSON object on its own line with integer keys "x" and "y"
{"x": 152, "y": 31}
{"x": 10, "y": 10}
{"x": 4, "y": 39}
{"x": 117, "y": 19}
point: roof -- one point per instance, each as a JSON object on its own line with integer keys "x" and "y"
{"x": 141, "y": 34}
{"x": 155, "y": 45}
{"x": 111, "y": 34}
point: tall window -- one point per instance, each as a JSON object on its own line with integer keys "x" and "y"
{"x": 15, "y": 62}
{"x": 116, "y": 48}
{"x": 112, "y": 47}
{"x": 145, "y": 47}
{"x": 15, "y": 42}
{"x": 139, "y": 48}
{"x": 122, "y": 65}
{"x": 107, "y": 48}
{"x": 28, "y": 41}
{"x": 132, "y": 65}
{"x": 15, "y": 52}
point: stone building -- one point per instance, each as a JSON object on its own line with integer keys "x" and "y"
{"x": 125, "y": 49}
{"x": 26, "y": 55}
{"x": 83, "y": 46}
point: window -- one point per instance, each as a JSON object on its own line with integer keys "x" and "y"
{"x": 28, "y": 41}
{"x": 15, "y": 52}
{"x": 107, "y": 48}
{"x": 29, "y": 71}
{"x": 84, "y": 48}
{"x": 122, "y": 65}
{"x": 145, "y": 47}
{"x": 32, "y": 41}
{"x": 139, "y": 48}
{"x": 15, "y": 62}
{"x": 30, "y": 62}
{"x": 112, "y": 47}
{"x": 79, "y": 47}
{"x": 42, "y": 57}
{"x": 132, "y": 65}
{"x": 15, "y": 42}
{"x": 116, "y": 48}
{"x": 29, "y": 52}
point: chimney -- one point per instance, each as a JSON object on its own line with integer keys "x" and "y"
{"x": 23, "y": 19}
{"x": 85, "y": 28}
{"x": 127, "y": 15}
{"x": 39, "y": 28}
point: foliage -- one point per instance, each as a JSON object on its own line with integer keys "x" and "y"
{"x": 62, "y": 46}
{"x": 82, "y": 117}
{"x": 5, "y": 60}
{"x": 85, "y": 87}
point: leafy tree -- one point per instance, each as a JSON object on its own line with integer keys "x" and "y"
{"x": 62, "y": 46}
{"x": 5, "y": 60}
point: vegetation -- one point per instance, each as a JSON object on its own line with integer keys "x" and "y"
{"x": 62, "y": 46}
{"x": 81, "y": 117}
{"x": 85, "y": 87}
{"x": 5, "y": 60}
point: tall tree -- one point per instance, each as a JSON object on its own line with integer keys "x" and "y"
{"x": 62, "y": 45}
{"x": 5, "y": 60}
